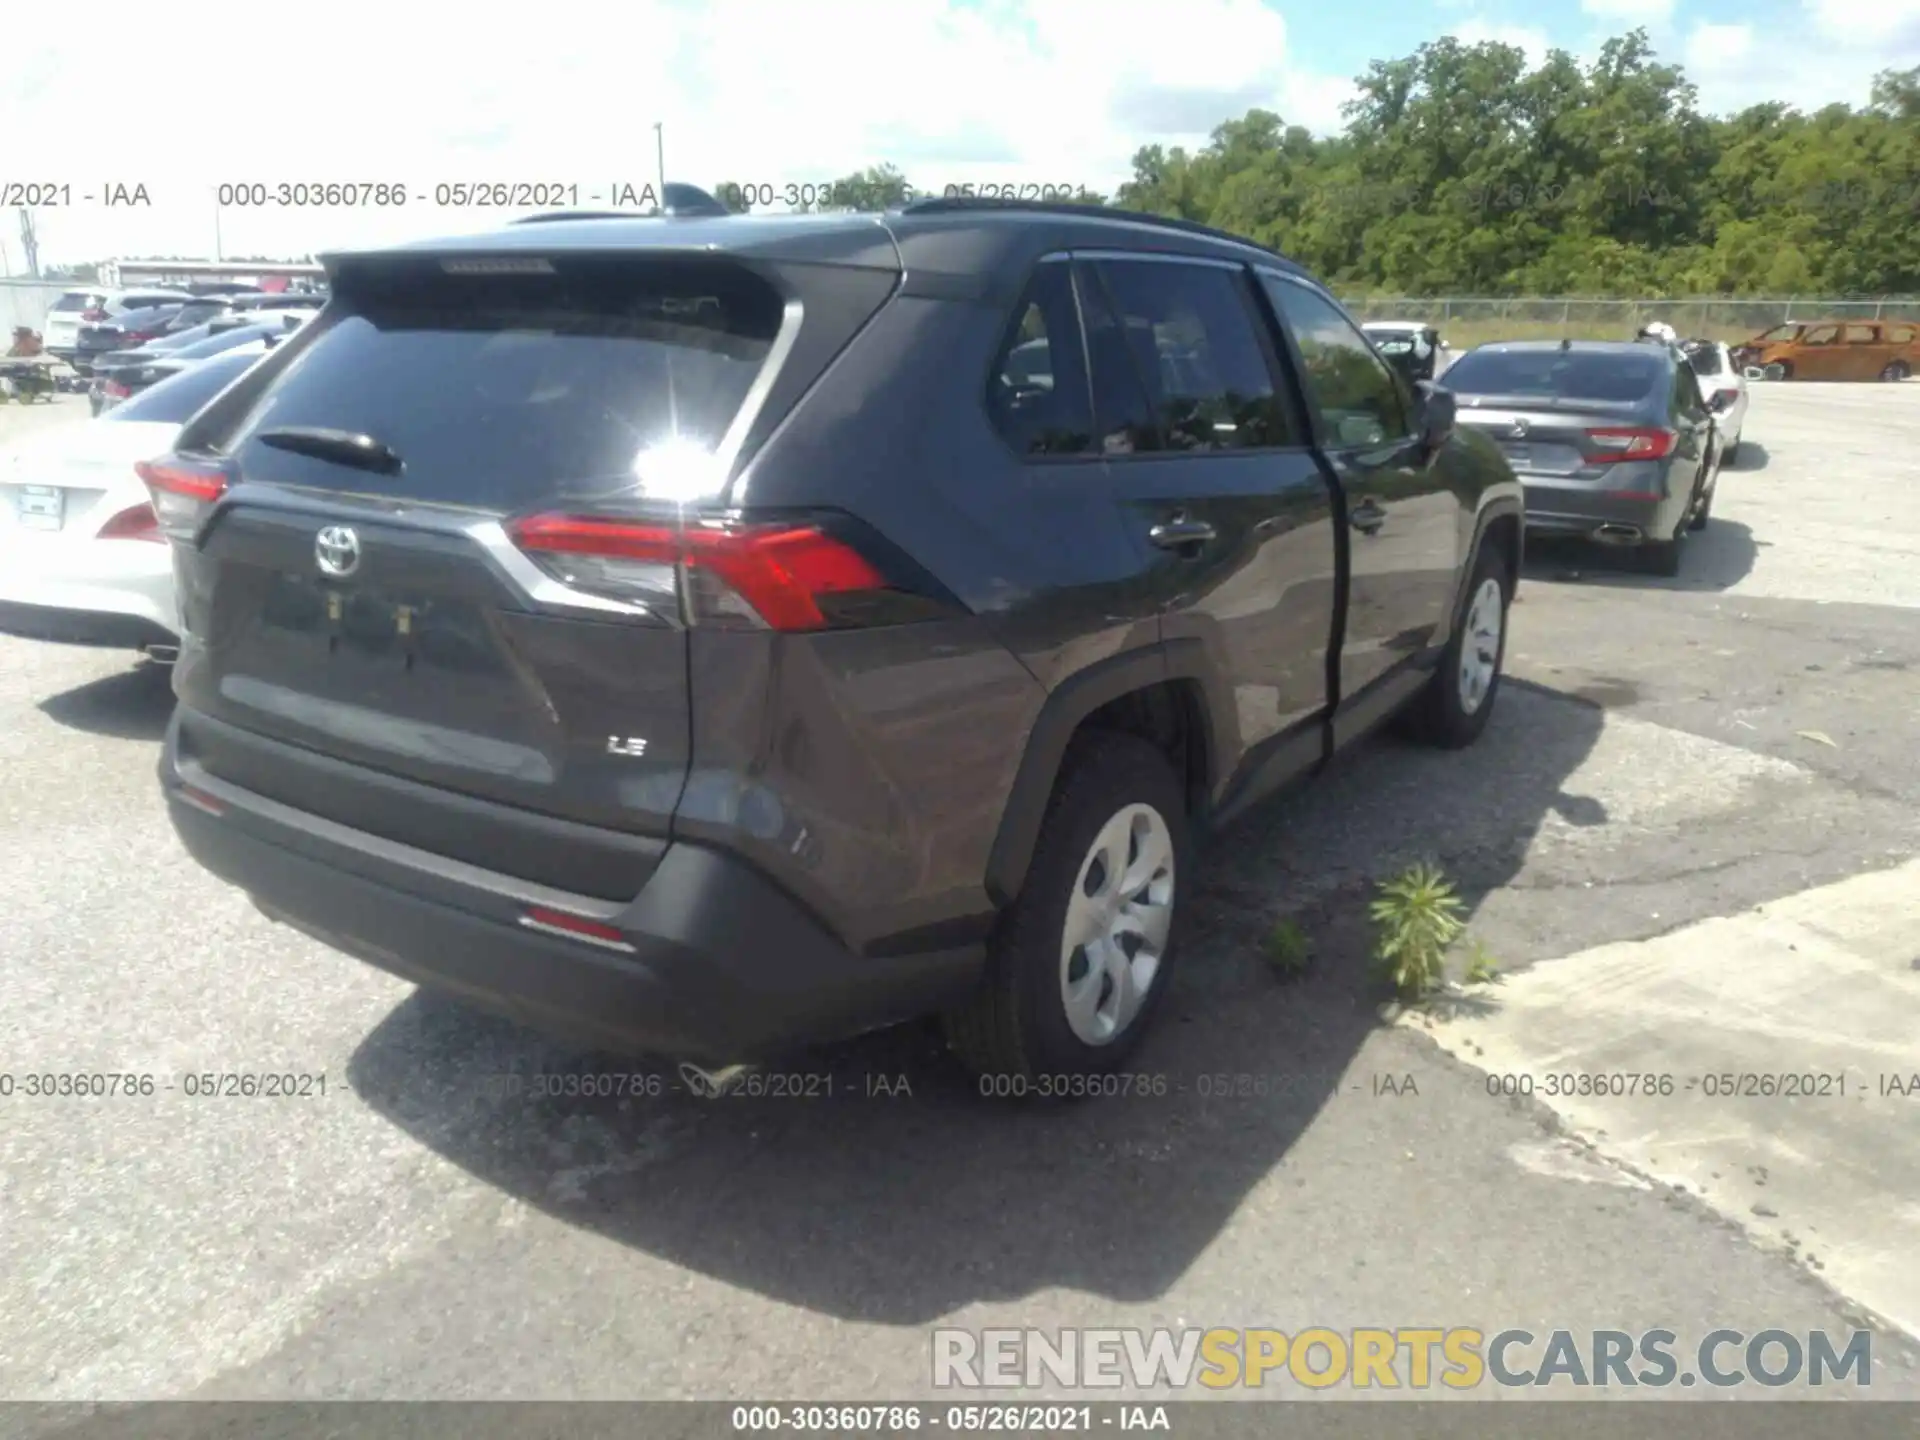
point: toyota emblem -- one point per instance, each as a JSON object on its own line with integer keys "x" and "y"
{"x": 337, "y": 551}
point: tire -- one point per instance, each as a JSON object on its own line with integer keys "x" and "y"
{"x": 1017, "y": 1027}
{"x": 1705, "y": 510}
{"x": 1442, "y": 714}
{"x": 1730, "y": 455}
{"x": 1662, "y": 557}
{"x": 1895, "y": 371}
{"x": 1786, "y": 369}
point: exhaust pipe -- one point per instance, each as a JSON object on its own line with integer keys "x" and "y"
{"x": 1618, "y": 535}
{"x": 161, "y": 654}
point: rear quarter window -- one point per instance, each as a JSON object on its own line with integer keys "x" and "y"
{"x": 504, "y": 391}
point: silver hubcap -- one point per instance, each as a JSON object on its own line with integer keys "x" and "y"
{"x": 1480, "y": 650}
{"x": 1117, "y": 924}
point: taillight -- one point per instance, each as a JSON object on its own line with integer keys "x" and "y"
{"x": 115, "y": 389}
{"x": 774, "y": 575}
{"x": 136, "y": 522}
{"x": 183, "y": 491}
{"x": 1628, "y": 443}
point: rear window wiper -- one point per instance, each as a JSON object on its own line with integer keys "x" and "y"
{"x": 344, "y": 447}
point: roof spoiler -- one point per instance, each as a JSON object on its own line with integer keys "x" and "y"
{"x": 677, "y": 202}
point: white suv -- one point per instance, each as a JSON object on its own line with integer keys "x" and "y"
{"x": 87, "y": 306}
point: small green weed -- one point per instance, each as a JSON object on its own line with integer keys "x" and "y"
{"x": 1416, "y": 916}
{"x": 1482, "y": 968}
{"x": 1288, "y": 950}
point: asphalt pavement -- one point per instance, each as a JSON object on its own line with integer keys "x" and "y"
{"x": 1671, "y": 761}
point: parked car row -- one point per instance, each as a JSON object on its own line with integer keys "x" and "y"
{"x": 86, "y": 324}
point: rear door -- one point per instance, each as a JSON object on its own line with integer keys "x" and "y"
{"x": 1215, "y": 476}
{"x": 364, "y": 598}
{"x": 1866, "y": 352}
{"x": 1404, "y": 521}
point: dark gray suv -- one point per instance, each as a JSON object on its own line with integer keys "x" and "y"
{"x": 704, "y": 635}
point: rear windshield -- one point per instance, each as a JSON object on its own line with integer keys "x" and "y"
{"x": 500, "y": 391}
{"x": 174, "y": 400}
{"x": 76, "y": 300}
{"x": 1617, "y": 376}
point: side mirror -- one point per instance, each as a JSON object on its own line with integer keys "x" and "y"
{"x": 1754, "y": 372}
{"x": 1438, "y": 410}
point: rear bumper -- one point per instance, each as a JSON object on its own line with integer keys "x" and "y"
{"x": 720, "y": 966}
{"x": 1582, "y": 511}
{"x": 92, "y": 592}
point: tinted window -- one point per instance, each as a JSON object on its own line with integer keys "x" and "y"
{"x": 1123, "y": 416}
{"x": 1037, "y": 393}
{"x": 1861, "y": 335}
{"x": 175, "y": 399}
{"x": 1350, "y": 385}
{"x": 1197, "y": 354}
{"x": 1900, "y": 334}
{"x": 1821, "y": 335}
{"x": 500, "y": 391}
{"x": 1620, "y": 375}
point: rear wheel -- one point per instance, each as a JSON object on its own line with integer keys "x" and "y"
{"x": 1703, "y": 511}
{"x": 1455, "y": 705}
{"x": 1081, "y": 959}
{"x": 1896, "y": 370}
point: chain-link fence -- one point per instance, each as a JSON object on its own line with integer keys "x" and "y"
{"x": 1476, "y": 319}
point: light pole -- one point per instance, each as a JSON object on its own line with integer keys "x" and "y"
{"x": 217, "y": 247}
{"x": 660, "y": 156}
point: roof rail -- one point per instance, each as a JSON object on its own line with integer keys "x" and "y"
{"x": 962, "y": 204}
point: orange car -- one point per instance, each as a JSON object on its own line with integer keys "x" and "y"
{"x": 1836, "y": 350}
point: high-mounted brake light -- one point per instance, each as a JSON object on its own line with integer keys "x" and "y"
{"x": 1630, "y": 443}
{"x": 774, "y": 575}
{"x": 136, "y": 522}
{"x": 183, "y": 491}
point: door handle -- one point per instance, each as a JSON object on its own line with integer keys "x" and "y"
{"x": 1181, "y": 534}
{"x": 1368, "y": 517}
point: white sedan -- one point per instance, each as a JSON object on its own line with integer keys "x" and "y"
{"x": 1723, "y": 388}
{"x": 82, "y": 560}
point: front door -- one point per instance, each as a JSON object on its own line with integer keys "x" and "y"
{"x": 1819, "y": 356}
{"x": 1404, "y": 521}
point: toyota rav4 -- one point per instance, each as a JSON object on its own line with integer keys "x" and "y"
{"x": 706, "y": 634}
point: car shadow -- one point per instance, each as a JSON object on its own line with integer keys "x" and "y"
{"x": 890, "y": 1190}
{"x": 1753, "y": 456}
{"x": 1717, "y": 558}
{"x": 133, "y": 704}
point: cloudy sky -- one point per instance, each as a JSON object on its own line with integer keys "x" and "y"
{"x": 754, "y": 91}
